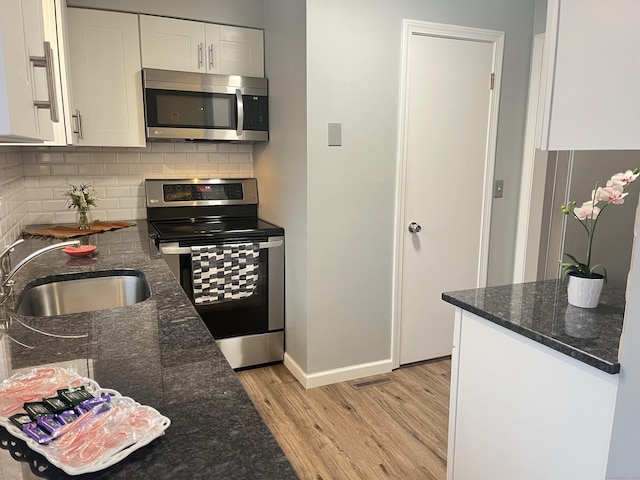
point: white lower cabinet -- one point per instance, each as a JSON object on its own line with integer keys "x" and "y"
{"x": 105, "y": 78}
{"x": 520, "y": 410}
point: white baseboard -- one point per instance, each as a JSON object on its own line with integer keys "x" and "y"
{"x": 336, "y": 375}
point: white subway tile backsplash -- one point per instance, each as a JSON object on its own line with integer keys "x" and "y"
{"x": 64, "y": 170}
{"x": 49, "y": 157}
{"x": 74, "y": 157}
{"x": 122, "y": 157}
{"x": 41, "y": 194}
{"x": 140, "y": 168}
{"x": 94, "y": 169}
{"x": 163, "y": 147}
{"x": 131, "y": 180}
{"x": 240, "y": 158}
{"x": 53, "y": 181}
{"x": 152, "y": 158}
{"x": 34, "y": 206}
{"x": 228, "y": 147}
{"x": 186, "y": 170}
{"x": 43, "y": 175}
{"x": 229, "y": 168}
{"x": 31, "y": 182}
{"x": 207, "y": 170}
{"x": 207, "y": 147}
{"x": 116, "y": 169}
{"x": 107, "y": 203}
{"x": 117, "y": 192}
{"x": 103, "y": 157}
{"x": 185, "y": 147}
{"x": 35, "y": 170}
{"x": 219, "y": 158}
{"x": 175, "y": 158}
{"x": 28, "y": 157}
{"x": 131, "y": 202}
{"x": 196, "y": 158}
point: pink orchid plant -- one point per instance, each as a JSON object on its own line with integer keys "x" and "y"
{"x": 613, "y": 192}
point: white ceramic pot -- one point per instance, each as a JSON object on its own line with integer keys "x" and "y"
{"x": 584, "y": 292}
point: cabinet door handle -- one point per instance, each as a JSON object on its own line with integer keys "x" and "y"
{"x": 47, "y": 62}
{"x": 211, "y": 58}
{"x": 78, "y": 118}
{"x": 200, "y": 47}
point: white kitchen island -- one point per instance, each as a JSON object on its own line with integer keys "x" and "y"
{"x": 533, "y": 383}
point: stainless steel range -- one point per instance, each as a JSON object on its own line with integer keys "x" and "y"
{"x": 228, "y": 261}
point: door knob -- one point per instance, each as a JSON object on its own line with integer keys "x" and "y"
{"x": 414, "y": 227}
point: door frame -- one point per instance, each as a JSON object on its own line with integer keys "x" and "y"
{"x": 411, "y": 28}
{"x": 532, "y": 182}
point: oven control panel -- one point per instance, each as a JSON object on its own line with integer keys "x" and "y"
{"x": 189, "y": 192}
{"x": 194, "y": 192}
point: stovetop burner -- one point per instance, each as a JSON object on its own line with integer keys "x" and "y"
{"x": 183, "y": 230}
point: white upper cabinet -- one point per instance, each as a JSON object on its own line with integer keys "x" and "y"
{"x": 106, "y": 80}
{"x": 240, "y": 51}
{"x": 27, "y": 74}
{"x": 185, "y": 45}
{"x": 592, "y": 99}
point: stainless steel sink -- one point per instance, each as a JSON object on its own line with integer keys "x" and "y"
{"x": 83, "y": 292}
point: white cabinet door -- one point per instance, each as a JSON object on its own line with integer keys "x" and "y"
{"x": 105, "y": 70}
{"x": 520, "y": 410}
{"x": 171, "y": 44}
{"x": 57, "y": 125}
{"x": 23, "y": 72}
{"x": 241, "y": 51}
{"x": 184, "y": 45}
{"x": 593, "y": 99}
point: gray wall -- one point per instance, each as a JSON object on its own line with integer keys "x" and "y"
{"x": 353, "y": 65}
{"x": 281, "y": 165}
{"x": 244, "y": 13}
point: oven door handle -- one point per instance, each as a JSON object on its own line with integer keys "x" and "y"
{"x": 187, "y": 250}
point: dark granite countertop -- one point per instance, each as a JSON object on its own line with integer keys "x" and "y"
{"x": 539, "y": 311}
{"x": 159, "y": 353}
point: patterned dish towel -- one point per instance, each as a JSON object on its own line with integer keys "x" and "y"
{"x": 224, "y": 272}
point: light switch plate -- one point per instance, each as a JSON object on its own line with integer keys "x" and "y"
{"x": 335, "y": 134}
{"x": 498, "y": 189}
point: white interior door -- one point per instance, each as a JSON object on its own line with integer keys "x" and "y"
{"x": 448, "y": 167}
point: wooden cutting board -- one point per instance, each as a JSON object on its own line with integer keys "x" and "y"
{"x": 69, "y": 231}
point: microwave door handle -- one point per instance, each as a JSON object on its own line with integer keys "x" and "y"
{"x": 240, "y": 104}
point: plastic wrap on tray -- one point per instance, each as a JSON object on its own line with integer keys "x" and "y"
{"x": 33, "y": 386}
{"x": 92, "y": 435}
{"x": 104, "y": 433}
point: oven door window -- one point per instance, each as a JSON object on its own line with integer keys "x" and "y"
{"x": 230, "y": 318}
{"x": 168, "y": 108}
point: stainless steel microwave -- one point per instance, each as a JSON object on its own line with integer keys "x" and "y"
{"x": 182, "y": 106}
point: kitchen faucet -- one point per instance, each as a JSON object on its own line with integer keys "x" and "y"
{"x": 6, "y": 278}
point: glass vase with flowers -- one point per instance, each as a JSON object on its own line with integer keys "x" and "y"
{"x": 82, "y": 198}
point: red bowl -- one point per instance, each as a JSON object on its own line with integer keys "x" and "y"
{"x": 81, "y": 251}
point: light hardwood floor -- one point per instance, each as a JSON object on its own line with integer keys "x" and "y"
{"x": 396, "y": 429}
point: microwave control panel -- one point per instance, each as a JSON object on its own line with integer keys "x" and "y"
{"x": 256, "y": 112}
